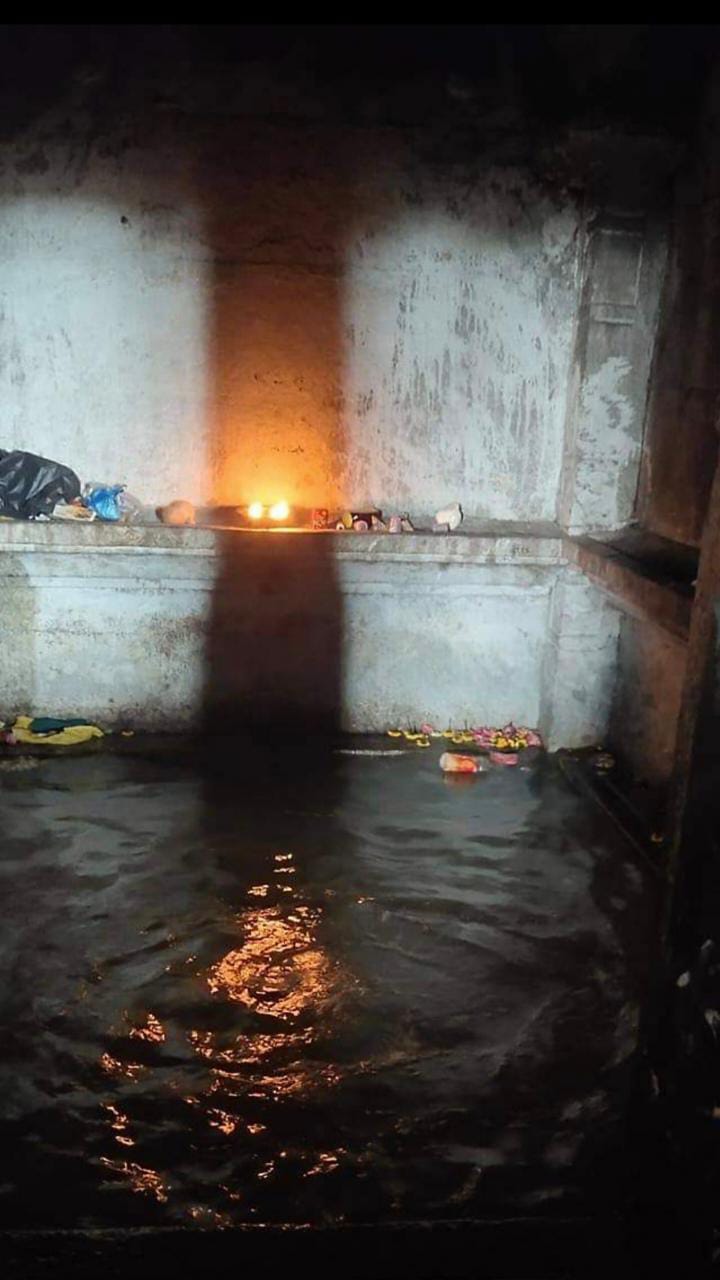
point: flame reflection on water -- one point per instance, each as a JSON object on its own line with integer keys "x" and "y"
{"x": 281, "y": 971}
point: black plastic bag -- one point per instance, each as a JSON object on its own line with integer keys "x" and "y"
{"x": 30, "y": 486}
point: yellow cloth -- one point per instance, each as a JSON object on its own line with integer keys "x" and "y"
{"x": 68, "y": 737}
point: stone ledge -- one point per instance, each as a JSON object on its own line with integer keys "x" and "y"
{"x": 491, "y": 543}
{"x": 196, "y": 556}
{"x": 635, "y": 587}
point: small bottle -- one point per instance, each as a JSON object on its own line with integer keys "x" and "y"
{"x": 453, "y": 762}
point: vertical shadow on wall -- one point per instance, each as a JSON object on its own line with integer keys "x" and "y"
{"x": 272, "y": 790}
{"x": 275, "y": 231}
{"x": 273, "y": 660}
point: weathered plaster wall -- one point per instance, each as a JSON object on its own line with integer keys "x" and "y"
{"x": 617, "y": 322}
{"x": 329, "y": 319}
{"x": 461, "y": 296}
{"x": 579, "y": 663}
{"x": 245, "y": 275}
{"x": 181, "y": 628}
{"x": 103, "y": 333}
{"x": 264, "y": 287}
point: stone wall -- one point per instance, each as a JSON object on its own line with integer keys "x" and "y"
{"x": 236, "y": 287}
{"x": 237, "y": 278}
{"x": 284, "y": 314}
{"x": 177, "y": 629}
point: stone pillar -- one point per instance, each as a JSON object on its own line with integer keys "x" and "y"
{"x": 579, "y": 670}
{"x": 623, "y": 275}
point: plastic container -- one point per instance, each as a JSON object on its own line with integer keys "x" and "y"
{"x": 131, "y": 508}
{"x": 453, "y": 762}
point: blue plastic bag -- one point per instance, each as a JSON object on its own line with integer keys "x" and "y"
{"x": 105, "y": 502}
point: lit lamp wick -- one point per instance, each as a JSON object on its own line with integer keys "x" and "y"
{"x": 255, "y": 510}
{"x": 279, "y": 511}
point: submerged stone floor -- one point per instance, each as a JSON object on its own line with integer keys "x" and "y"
{"x": 247, "y": 984}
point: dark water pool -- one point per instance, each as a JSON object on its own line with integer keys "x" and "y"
{"x": 244, "y": 986}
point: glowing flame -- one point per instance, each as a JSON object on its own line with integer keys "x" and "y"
{"x": 279, "y": 511}
{"x": 255, "y": 511}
